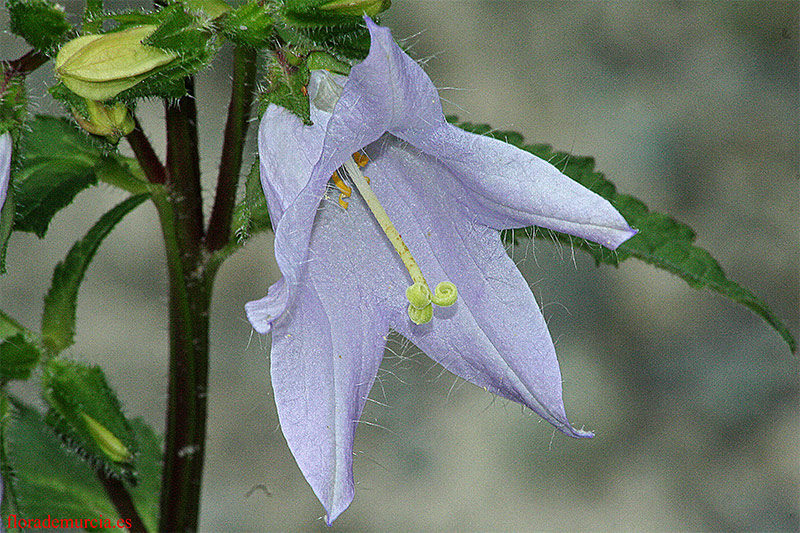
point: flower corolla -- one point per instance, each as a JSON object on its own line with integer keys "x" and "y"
{"x": 380, "y": 153}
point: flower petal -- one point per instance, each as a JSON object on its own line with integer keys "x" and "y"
{"x": 5, "y": 165}
{"x": 510, "y": 188}
{"x": 506, "y": 187}
{"x": 495, "y": 335}
{"x": 262, "y": 313}
{"x": 327, "y": 350}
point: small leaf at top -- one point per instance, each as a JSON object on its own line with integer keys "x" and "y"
{"x": 43, "y": 24}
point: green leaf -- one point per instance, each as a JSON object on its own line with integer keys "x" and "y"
{"x": 42, "y": 24}
{"x": 87, "y": 415}
{"x": 19, "y": 350}
{"x": 306, "y": 23}
{"x": 662, "y": 241}
{"x": 41, "y": 477}
{"x": 58, "y": 318}
{"x": 145, "y": 494}
{"x": 18, "y": 357}
{"x": 58, "y": 162}
{"x": 251, "y": 215}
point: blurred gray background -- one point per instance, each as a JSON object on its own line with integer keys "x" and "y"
{"x": 692, "y": 107}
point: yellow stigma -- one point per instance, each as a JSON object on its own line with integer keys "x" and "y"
{"x": 419, "y": 294}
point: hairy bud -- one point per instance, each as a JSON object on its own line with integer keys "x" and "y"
{"x": 99, "y": 67}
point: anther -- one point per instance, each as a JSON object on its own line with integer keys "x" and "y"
{"x": 342, "y": 186}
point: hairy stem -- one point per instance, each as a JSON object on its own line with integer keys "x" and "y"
{"x": 244, "y": 76}
{"x": 181, "y": 214}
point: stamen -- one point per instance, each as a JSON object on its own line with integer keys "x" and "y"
{"x": 342, "y": 186}
{"x": 418, "y": 294}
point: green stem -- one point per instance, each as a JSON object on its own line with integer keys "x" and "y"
{"x": 230, "y": 167}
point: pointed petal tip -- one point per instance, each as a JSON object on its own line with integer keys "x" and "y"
{"x": 621, "y": 236}
{"x": 335, "y": 509}
{"x": 256, "y": 315}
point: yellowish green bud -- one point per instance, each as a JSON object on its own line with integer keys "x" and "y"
{"x": 99, "y": 67}
{"x": 108, "y": 443}
{"x": 113, "y": 121}
{"x": 357, "y": 7}
{"x": 212, "y": 8}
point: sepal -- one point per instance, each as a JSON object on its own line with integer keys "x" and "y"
{"x": 251, "y": 215}
{"x": 43, "y": 24}
{"x": 285, "y": 84}
{"x": 326, "y": 13}
{"x": 251, "y": 24}
{"x": 86, "y": 414}
{"x": 13, "y": 102}
{"x": 305, "y": 23}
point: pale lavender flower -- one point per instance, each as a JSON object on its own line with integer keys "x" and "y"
{"x": 343, "y": 289}
{"x": 5, "y": 166}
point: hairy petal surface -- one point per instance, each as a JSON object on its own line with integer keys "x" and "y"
{"x": 327, "y": 350}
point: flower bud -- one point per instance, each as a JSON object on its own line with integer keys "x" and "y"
{"x": 109, "y": 444}
{"x": 356, "y": 7}
{"x": 113, "y": 121}
{"x": 99, "y": 67}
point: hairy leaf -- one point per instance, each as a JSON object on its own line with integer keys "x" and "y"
{"x": 43, "y": 24}
{"x": 42, "y": 478}
{"x": 87, "y": 415}
{"x": 58, "y": 318}
{"x": 251, "y": 215}
{"x": 19, "y": 350}
{"x": 662, "y": 241}
{"x": 58, "y": 163}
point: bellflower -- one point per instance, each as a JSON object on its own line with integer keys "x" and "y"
{"x": 376, "y": 198}
{"x": 5, "y": 165}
